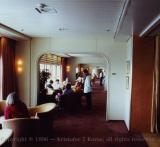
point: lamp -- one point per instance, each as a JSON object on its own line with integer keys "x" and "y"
{"x": 68, "y": 68}
{"x": 19, "y": 66}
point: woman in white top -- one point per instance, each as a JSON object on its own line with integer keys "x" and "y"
{"x": 88, "y": 89}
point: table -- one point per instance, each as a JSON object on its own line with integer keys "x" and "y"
{"x": 5, "y": 134}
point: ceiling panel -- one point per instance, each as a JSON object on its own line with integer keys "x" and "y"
{"x": 74, "y": 17}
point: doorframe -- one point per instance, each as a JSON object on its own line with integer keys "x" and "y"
{"x": 107, "y": 64}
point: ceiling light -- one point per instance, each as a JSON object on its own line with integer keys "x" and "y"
{"x": 108, "y": 30}
{"x": 63, "y": 29}
{"x": 43, "y": 8}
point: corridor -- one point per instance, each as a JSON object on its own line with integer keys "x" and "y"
{"x": 90, "y": 129}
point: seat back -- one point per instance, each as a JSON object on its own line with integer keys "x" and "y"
{"x": 46, "y": 113}
{"x": 71, "y": 102}
{"x": 2, "y": 106}
{"x": 43, "y": 108}
{"x": 26, "y": 130}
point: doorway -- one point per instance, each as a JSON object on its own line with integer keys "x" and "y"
{"x": 49, "y": 69}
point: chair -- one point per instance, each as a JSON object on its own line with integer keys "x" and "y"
{"x": 71, "y": 102}
{"x": 42, "y": 110}
{"x": 46, "y": 113}
{"x": 2, "y": 107}
{"x": 5, "y": 137}
{"x": 26, "y": 131}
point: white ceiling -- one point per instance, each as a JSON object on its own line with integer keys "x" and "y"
{"x": 78, "y": 17}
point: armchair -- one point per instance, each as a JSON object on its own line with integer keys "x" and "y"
{"x": 26, "y": 131}
{"x": 42, "y": 110}
{"x": 2, "y": 107}
{"x": 46, "y": 113}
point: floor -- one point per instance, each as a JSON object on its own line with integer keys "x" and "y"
{"x": 90, "y": 128}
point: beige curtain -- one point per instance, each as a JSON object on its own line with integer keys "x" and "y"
{"x": 155, "y": 119}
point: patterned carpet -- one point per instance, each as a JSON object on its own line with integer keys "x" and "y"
{"x": 90, "y": 128}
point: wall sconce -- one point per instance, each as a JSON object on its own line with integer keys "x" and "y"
{"x": 19, "y": 62}
{"x": 68, "y": 68}
{"x": 19, "y": 66}
{"x": 19, "y": 69}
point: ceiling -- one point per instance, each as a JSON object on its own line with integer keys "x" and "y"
{"x": 96, "y": 18}
{"x": 140, "y": 13}
{"x": 86, "y": 55}
{"x": 73, "y": 17}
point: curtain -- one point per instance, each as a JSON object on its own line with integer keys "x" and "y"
{"x": 155, "y": 118}
{"x": 64, "y": 64}
{"x": 1, "y": 72}
{"x": 7, "y": 65}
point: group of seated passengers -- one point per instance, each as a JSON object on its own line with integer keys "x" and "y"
{"x": 53, "y": 87}
{"x": 57, "y": 87}
{"x": 56, "y": 90}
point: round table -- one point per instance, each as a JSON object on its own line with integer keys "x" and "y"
{"x": 5, "y": 134}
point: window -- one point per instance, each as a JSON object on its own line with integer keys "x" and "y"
{"x": 50, "y": 68}
{"x": 54, "y": 70}
{"x": 52, "y": 64}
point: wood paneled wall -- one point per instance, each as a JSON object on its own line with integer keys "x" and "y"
{"x": 143, "y": 64}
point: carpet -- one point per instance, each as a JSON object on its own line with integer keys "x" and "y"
{"x": 90, "y": 128}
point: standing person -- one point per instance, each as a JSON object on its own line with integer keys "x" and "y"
{"x": 88, "y": 89}
{"x": 101, "y": 75}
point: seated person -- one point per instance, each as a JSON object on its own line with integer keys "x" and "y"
{"x": 80, "y": 79}
{"x": 65, "y": 82}
{"x": 78, "y": 86}
{"x": 15, "y": 108}
{"x": 50, "y": 88}
{"x": 68, "y": 90}
{"x": 57, "y": 85}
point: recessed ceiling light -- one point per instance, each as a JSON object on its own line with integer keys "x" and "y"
{"x": 107, "y": 30}
{"x": 63, "y": 29}
{"x": 43, "y": 8}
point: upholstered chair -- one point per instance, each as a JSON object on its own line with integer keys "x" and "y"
{"x": 26, "y": 131}
{"x": 46, "y": 113}
{"x": 2, "y": 107}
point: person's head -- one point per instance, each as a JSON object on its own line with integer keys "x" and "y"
{"x": 12, "y": 99}
{"x": 57, "y": 80}
{"x": 68, "y": 86}
{"x": 51, "y": 81}
{"x": 86, "y": 72}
